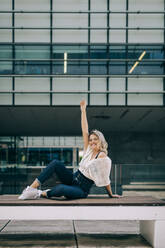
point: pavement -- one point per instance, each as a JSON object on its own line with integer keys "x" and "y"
{"x": 68, "y": 233}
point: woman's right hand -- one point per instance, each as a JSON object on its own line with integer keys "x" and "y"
{"x": 84, "y": 123}
{"x": 83, "y": 105}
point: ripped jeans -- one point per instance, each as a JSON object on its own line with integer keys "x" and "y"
{"x": 73, "y": 185}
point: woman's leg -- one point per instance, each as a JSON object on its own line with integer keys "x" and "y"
{"x": 70, "y": 192}
{"x": 64, "y": 174}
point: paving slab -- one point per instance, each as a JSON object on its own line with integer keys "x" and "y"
{"x": 63, "y": 233}
{"x": 111, "y": 227}
{"x": 37, "y": 240}
{"x": 32, "y": 226}
{"x": 111, "y": 241}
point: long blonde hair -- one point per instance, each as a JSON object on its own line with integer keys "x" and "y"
{"x": 103, "y": 143}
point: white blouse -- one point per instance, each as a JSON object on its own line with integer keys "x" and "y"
{"x": 97, "y": 170}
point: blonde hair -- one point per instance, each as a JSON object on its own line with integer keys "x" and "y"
{"x": 103, "y": 143}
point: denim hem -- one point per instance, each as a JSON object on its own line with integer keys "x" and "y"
{"x": 38, "y": 182}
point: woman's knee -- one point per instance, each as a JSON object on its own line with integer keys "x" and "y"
{"x": 55, "y": 163}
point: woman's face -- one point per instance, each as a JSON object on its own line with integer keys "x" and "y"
{"x": 94, "y": 142}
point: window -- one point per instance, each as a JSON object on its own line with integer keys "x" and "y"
{"x": 5, "y": 53}
{"x": 33, "y": 59}
{"x": 67, "y": 54}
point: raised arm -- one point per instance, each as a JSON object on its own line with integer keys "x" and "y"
{"x": 84, "y": 123}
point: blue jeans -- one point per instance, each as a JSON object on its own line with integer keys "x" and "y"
{"x": 71, "y": 188}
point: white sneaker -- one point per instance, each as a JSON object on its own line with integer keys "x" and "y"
{"x": 30, "y": 193}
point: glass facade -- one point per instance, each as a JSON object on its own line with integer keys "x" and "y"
{"x": 58, "y": 52}
{"x": 81, "y": 59}
{"x": 21, "y": 157}
{"x": 39, "y": 151}
{"x": 86, "y": 39}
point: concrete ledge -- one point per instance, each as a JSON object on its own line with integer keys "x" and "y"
{"x": 12, "y": 200}
{"x": 150, "y": 212}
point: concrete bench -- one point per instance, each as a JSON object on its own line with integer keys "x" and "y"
{"x": 148, "y": 210}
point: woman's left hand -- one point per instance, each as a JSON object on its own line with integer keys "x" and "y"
{"x": 115, "y": 196}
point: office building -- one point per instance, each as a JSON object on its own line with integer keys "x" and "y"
{"x": 53, "y": 53}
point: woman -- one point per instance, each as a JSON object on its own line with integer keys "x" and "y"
{"x": 94, "y": 167}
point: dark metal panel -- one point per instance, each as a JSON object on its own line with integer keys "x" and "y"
{"x": 126, "y": 68}
{"x": 51, "y": 50}
{"x": 51, "y": 121}
{"x": 164, "y": 63}
{"x": 107, "y": 64}
{"x": 89, "y": 40}
{"x": 86, "y": 75}
{"x": 13, "y": 48}
{"x": 80, "y": 28}
{"x": 83, "y": 12}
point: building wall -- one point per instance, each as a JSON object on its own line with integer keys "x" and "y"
{"x": 138, "y": 157}
{"x": 39, "y": 38}
{"x": 137, "y": 148}
{"x": 60, "y": 31}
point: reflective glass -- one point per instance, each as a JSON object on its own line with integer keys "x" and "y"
{"x": 98, "y": 68}
{"x": 5, "y": 53}
{"x": 34, "y": 53}
{"x": 148, "y": 68}
{"x": 117, "y": 52}
{"x": 71, "y": 59}
{"x": 32, "y": 67}
{"x": 6, "y": 67}
{"x": 77, "y": 67}
{"x": 98, "y": 53}
{"x": 152, "y": 52}
{"x": 70, "y": 52}
{"x": 34, "y": 156}
{"x": 117, "y": 68}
